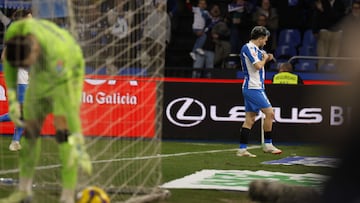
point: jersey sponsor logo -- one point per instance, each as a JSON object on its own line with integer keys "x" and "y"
{"x": 189, "y": 112}
{"x": 59, "y": 66}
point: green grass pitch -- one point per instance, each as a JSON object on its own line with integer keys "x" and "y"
{"x": 178, "y": 163}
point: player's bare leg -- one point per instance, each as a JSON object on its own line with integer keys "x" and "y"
{"x": 268, "y": 146}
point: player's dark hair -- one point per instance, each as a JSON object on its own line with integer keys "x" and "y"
{"x": 259, "y": 31}
{"x": 17, "y": 50}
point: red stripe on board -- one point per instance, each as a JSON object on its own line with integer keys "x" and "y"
{"x": 206, "y": 80}
{"x": 325, "y": 82}
{"x": 203, "y": 80}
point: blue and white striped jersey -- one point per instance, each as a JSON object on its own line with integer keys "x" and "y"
{"x": 253, "y": 78}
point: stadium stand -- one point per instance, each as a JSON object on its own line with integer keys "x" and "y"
{"x": 182, "y": 40}
{"x": 307, "y": 50}
{"x": 232, "y": 61}
{"x": 100, "y": 71}
{"x": 285, "y": 51}
{"x": 274, "y": 66}
{"x": 89, "y": 70}
{"x": 305, "y": 66}
{"x": 328, "y": 67}
{"x": 291, "y": 41}
{"x": 290, "y": 37}
{"x": 308, "y": 38}
{"x": 134, "y": 71}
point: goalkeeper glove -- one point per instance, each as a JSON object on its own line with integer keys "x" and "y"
{"x": 14, "y": 109}
{"x": 78, "y": 152}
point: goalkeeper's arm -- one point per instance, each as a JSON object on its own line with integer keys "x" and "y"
{"x": 11, "y": 82}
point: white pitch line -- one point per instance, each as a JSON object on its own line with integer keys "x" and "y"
{"x": 2, "y": 172}
{"x": 173, "y": 155}
{"x": 204, "y": 152}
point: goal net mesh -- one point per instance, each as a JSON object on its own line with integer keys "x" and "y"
{"x": 123, "y": 43}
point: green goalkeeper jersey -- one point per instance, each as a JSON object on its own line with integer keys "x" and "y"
{"x": 55, "y": 87}
{"x": 58, "y": 50}
{"x": 56, "y": 79}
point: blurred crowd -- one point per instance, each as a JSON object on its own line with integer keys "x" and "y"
{"x": 316, "y": 28}
{"x": 117, "y": 33}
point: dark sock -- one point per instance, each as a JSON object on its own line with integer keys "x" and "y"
{"x": 244, "y": 136}
{"x": 268, "y": 137}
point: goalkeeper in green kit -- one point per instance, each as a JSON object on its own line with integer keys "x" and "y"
{"x": 56, "y": 74}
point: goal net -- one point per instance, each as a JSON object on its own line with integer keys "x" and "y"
{"x": 123, "y": 42}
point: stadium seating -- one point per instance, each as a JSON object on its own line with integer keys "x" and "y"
{"x": 232, "y": 61}
{"x": 275, "y": 66}
{"x": 100, "y": 71}
{"x": 309, "y": 39}
{"x": 285, "y": 51}
{"x": 289, "y": 37}
{"x": 305, "y": 66}
{"x": 328, "y": 67}
{"x": 307, "y": 50}
{"x": 89, "y": 70}
{"x": 132, "y": 71}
